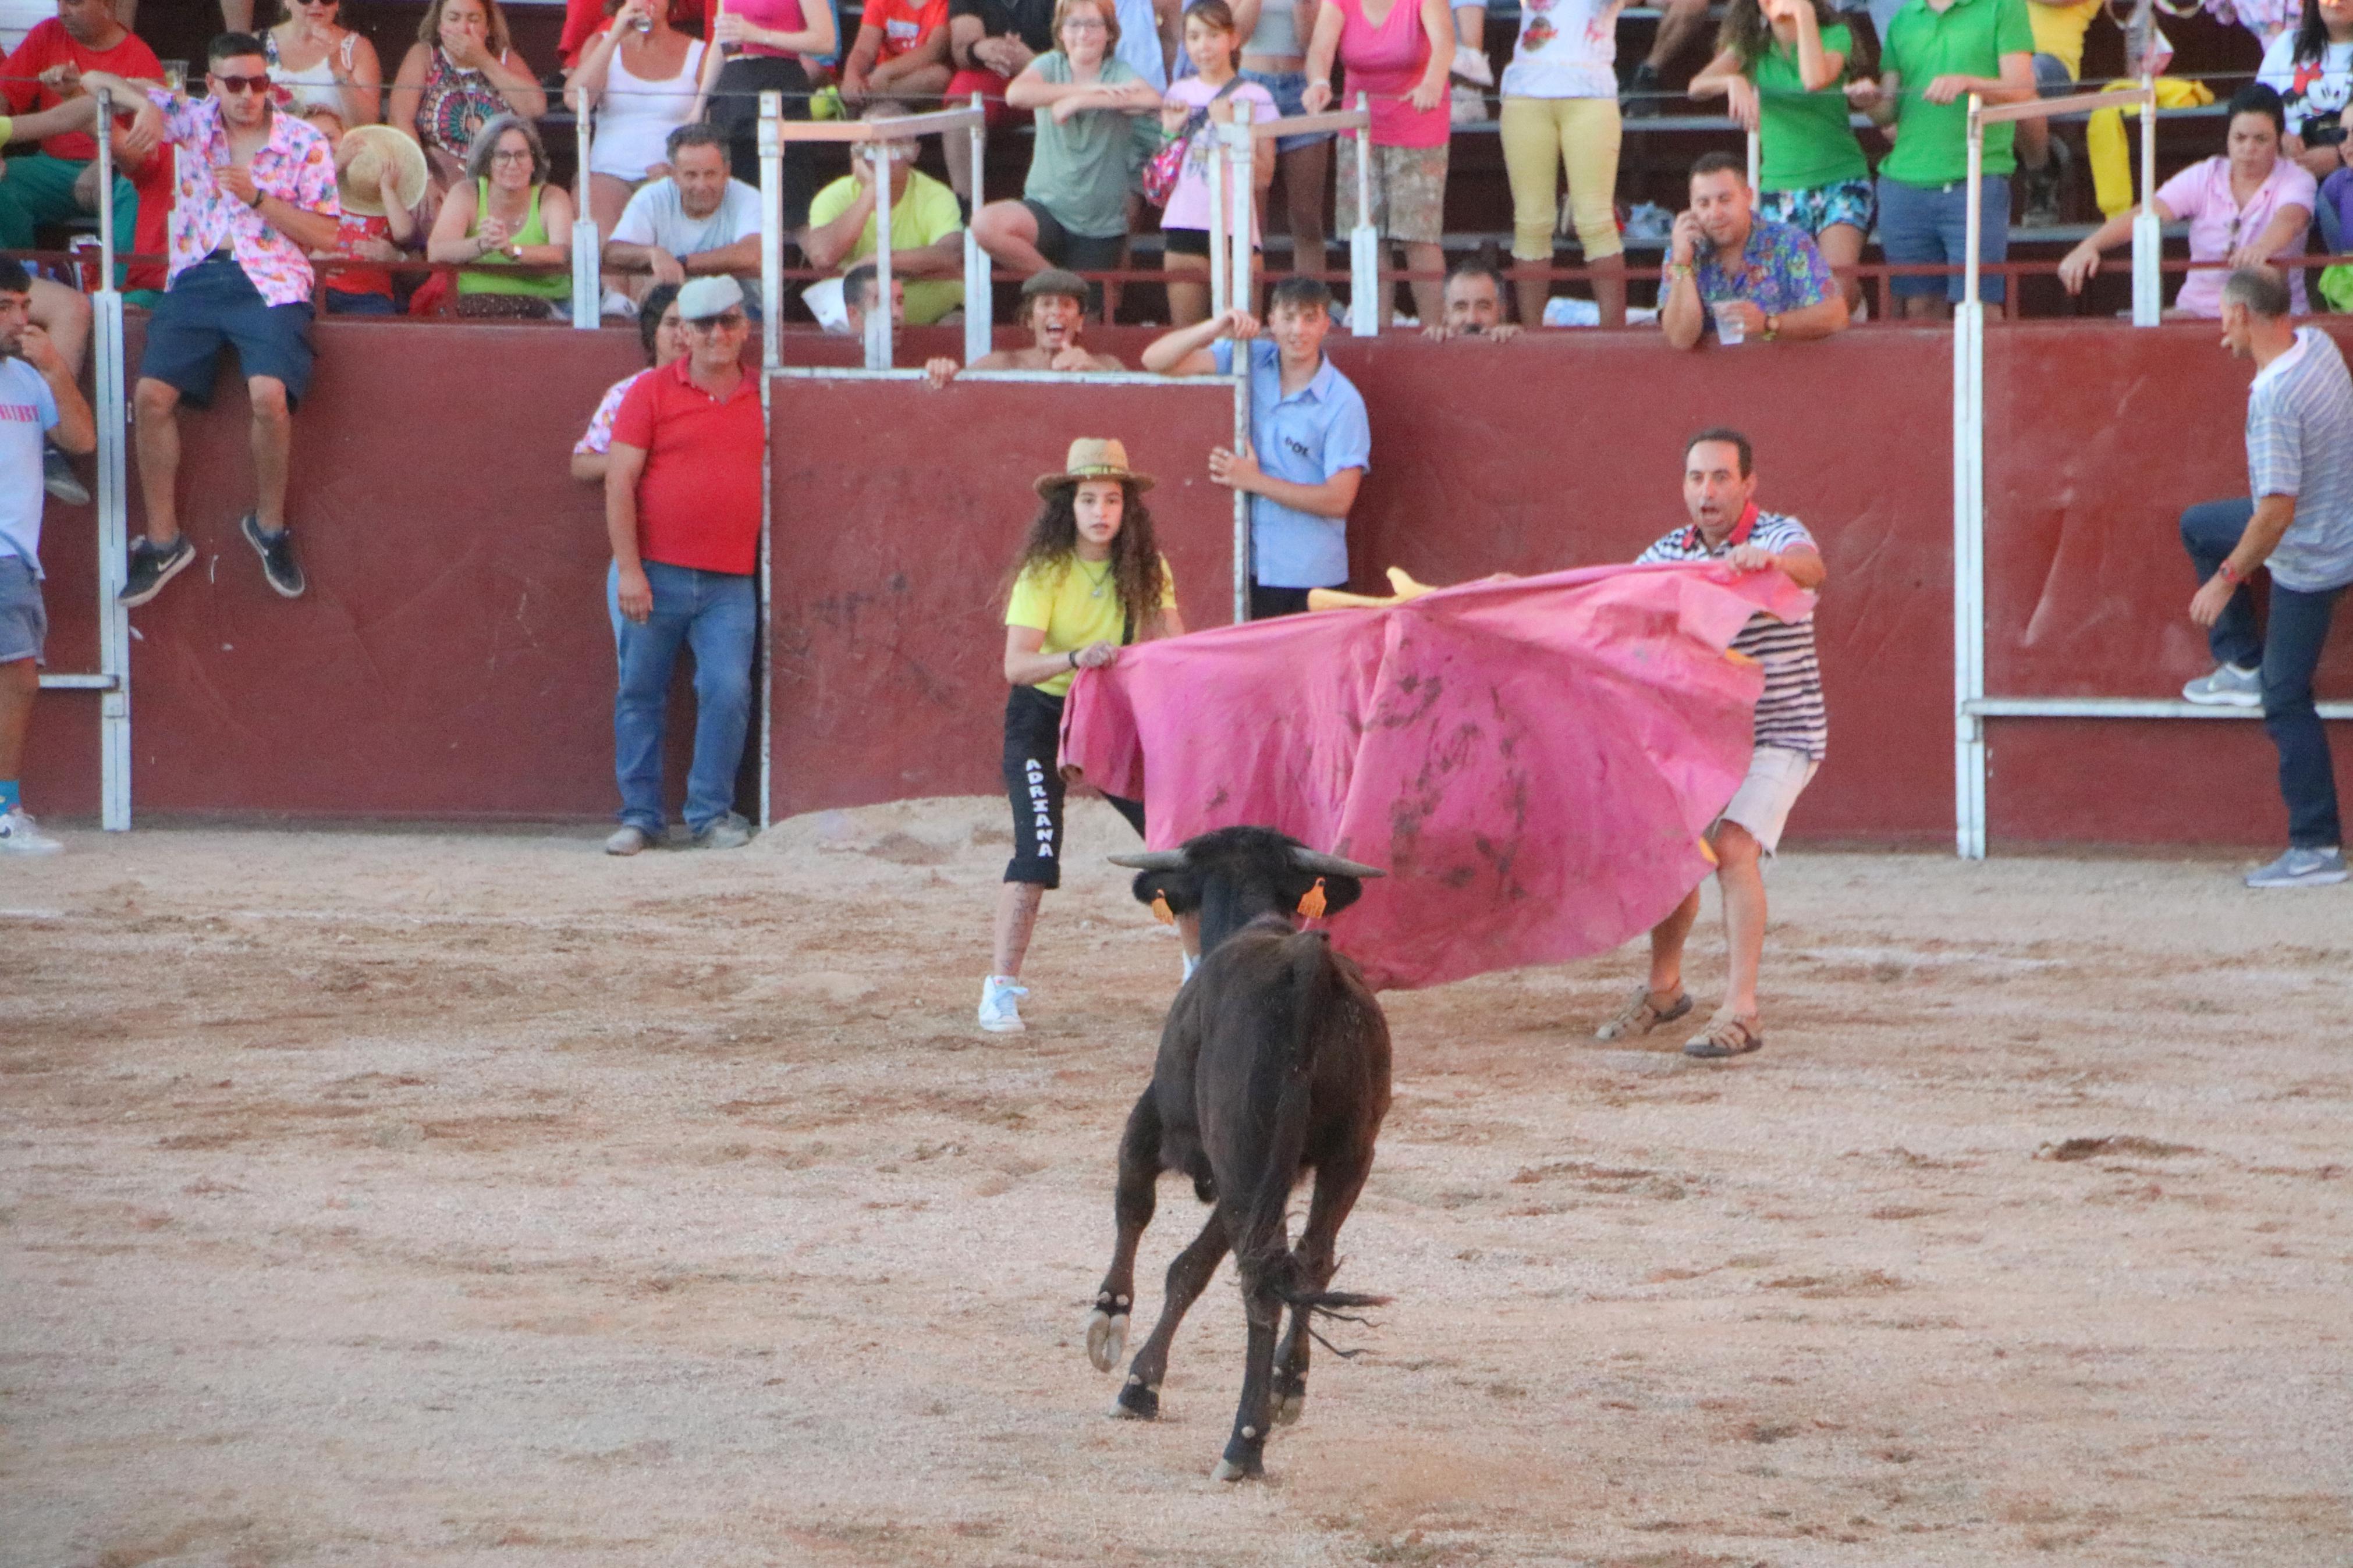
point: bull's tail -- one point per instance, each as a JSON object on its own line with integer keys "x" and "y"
{"x": 1262, "y": 1244}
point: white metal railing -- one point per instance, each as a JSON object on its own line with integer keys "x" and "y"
{"x": 1969, "y": 432}
{"x": 112, "y": 680}
{"x": 587, "y": 284}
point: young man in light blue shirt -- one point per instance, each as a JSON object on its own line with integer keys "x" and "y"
{"x": 1310, "y": 441}
{"x": 37, "y": 398}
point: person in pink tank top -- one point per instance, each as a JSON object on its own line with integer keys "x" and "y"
{"x": 1399, "y": 55}
{"x": 758, "y": 46}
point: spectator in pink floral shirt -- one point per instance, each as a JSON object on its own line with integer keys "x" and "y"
{"x": 256, "y": 192}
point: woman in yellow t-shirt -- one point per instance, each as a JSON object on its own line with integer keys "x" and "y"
{"x": 1089, "y": 581}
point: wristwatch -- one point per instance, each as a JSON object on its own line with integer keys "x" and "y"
{"x": 1772, "y": 328}
{"x": 2230, "y": 574}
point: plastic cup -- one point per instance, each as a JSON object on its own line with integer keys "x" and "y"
{"x": 1731, "y": 327}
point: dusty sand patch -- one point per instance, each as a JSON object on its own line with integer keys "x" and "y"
{"x": 436, "y": 1198}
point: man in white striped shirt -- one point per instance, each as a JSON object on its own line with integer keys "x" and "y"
{"x": 1792, "y": 730}
{"x": 2298, "y": 523}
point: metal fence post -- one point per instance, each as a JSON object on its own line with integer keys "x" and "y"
{"x": 114, "y": 512}
{"x": 588, "y": 287}
{"x": 980, "y": 303}
{"x": 1221, "y": 297}
{"x": 772, "y": 229}
{"x": 2147, "y": 236}
{"x": 877, "y": 319}
{"x": 1364, "y": 240}
{"x": 1968, "y": 520}
{"x": 1241, "y": 148}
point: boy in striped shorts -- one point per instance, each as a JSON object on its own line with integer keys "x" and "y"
{"x": 1792, "y": 727}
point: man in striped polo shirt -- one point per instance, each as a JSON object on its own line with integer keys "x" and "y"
{"x": 1792, "y": 728}
{"x": 2298, "y": 523}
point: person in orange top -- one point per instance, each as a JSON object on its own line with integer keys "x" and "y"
{"x": 902, "y": 50}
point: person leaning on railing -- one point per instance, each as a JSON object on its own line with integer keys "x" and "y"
{"x": 506, "y": 215}
{"x": 1474, "y": 304}
{"x": 459, "y": 75}
{"x": 1193, "y": 107}
{"x": 1939, "y": 53}
{"x": 1782, "y": 65}
{"x": 2245, "y": 207}
{"x": 696, "y": 221}
{"x": 1073, "y": 207}
{"x": 1739, "y": 274}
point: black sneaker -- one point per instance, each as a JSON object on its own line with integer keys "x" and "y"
{"x": 276, "y": 553}
{"x": 150, "y": 568}
{"x": 60, "y": 479}
{"x": 1642, "y": 93}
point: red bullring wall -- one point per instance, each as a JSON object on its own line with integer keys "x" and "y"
{"x": 452, "y": 660}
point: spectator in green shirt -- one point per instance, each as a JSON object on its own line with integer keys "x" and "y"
{"x": 1783, "y": 63}
{"x": 1073, "y": 209}
{"x": 1937, "y": 53}
{"x": 926, "y": 227}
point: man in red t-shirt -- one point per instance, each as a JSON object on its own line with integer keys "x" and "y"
{"x": 682, "y": 509}
{"x": 40, "y": 187}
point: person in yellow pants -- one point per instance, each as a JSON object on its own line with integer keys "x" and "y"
{"x": 1561, "y": 113}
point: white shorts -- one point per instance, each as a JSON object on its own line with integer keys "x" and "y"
{"x": 1777, "y": 777}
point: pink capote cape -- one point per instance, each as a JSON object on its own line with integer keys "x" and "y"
{"x": 1532, "y": 760}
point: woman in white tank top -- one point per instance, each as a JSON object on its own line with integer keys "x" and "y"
{"x": 639, "y": 77}
{"x": 323, "y": 64}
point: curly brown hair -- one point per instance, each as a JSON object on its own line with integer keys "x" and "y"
{"x": 1748, "y": 35}
{"x": 1136, "y": 573}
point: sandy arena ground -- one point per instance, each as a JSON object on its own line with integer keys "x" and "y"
{"x": 431, "y": 1199}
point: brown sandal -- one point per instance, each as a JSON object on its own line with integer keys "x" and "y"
{"x": 1726, "y": 1035}
{"x": 1639, "y": 1016}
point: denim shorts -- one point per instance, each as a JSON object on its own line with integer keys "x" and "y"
{"x": 1924, "y": 224}
{"x": 24, "y": 619}
{"x": 1818, "y": 207}
{"x": 1289, "y": 91}
{"x": 214, "y": 306}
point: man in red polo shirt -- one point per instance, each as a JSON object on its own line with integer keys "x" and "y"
{"x": 682, "y": 508}
{"x": 45, "y": 71}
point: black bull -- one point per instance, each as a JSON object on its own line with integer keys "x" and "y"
{"x": 1274, "y": 1061}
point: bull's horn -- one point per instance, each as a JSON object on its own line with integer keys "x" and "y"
{"x": 1324, "y": 865}
{"x": 1153, "y": 860}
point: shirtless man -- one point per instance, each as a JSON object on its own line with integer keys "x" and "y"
{"x": 1054, "y": 308}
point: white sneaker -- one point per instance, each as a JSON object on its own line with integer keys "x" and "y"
{"x": 1191, "y": 964}
{"x": 1000, "y": 1007}
{"x": 19, "y": 836}
{"x": 2302, "y": 868}
{"x": 2228, "y": 687}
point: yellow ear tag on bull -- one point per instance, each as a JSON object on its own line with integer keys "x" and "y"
{"x": 1160, "y": 910}
{"x": 1311, "y": 905}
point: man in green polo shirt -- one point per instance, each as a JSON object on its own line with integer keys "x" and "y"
{"x": 1938, "y": 52}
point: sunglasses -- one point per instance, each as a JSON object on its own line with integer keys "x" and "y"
{"x": 726, "y": 322}
{"x": 240, "y": 84}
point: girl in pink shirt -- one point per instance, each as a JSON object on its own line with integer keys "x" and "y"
{"x": 1211, "y": 43}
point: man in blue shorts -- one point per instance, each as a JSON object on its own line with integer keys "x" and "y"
{"x": 37, "y": 397}
{"x": 257, "y": 191}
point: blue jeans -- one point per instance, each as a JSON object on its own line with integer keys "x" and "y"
{"x": 2287, "y": 653}
{"x": 1923, "y": 225}
{"x": 717, "y": 615}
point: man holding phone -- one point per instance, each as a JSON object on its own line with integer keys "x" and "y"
{"x": 256, "y": 194}
{"x": 1742, "y": 276}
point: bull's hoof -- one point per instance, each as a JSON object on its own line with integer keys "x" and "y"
{"x": 1137, "y": 1402}
{"x": 1106, "y": 1338}
{"x": 1246, "y": 1470}
{"x": 1289, "y": 1406}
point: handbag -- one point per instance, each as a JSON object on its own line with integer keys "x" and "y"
{"x": 1167, "y": 165}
